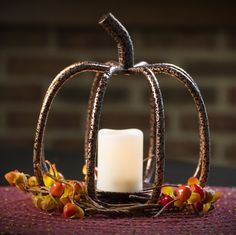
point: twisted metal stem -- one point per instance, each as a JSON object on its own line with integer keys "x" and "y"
{"x": 122, "y": 38}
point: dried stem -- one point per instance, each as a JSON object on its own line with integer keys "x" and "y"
{"x": 163, "y": 208}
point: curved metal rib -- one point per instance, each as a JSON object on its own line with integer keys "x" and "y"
{"x": 199, "y": 165}
{"x": 149, "y": 166}
{"x": 204, "y": 132}
{"x": 57, "y": 83}
{"x": 149, "y": 169}
{"x": 122, "y": 38}
{"x": 95, "y": 114}
{"x": 90, "y": 104}
{"x": 157, "y": 130}
{"x": 95, "y": 83}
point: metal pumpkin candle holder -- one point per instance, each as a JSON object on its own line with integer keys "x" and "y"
{"x": 146, "y": 202}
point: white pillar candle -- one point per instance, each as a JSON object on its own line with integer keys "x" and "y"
{"x": 120, "y": 160}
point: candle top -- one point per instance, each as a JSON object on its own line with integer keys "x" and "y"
{"x": 115, "y": 132}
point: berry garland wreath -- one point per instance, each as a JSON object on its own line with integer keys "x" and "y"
{"x": 76, "y": 199}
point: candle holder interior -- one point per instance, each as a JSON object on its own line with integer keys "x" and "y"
{"x": 145, "y": 202}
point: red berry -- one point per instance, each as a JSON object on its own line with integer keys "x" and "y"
{"x": 198, "y": 189}
{"x": 183, "y": 193}
{"x": 57, "y": 189}
{"x": 69, "y": 210}
{"x": 165, "y": 199}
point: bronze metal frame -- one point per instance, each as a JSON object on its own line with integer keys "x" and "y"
{"x": 104, "y": 72}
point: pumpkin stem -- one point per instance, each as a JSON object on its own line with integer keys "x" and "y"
{"x": 124, "y": 43}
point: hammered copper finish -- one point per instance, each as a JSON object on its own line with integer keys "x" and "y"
{"x": 88, "y": 118}
{"x": 90, "y": 104}
{"x": 104, "y": 71}
{"x": 198, "y": 169}
{"x": 157, "y": 129}
{"x": 57, "y": 83}
{"x": 157, "y": 122}
{"x": 149, "y": 174}
{"x": 204, "y": 132}
{"x": 124, "y": 43}
{"x": 94, "y": 127}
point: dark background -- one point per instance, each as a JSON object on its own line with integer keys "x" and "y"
{"x": 38, "y": 39}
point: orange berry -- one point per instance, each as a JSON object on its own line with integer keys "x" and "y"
{"x": 183, "y": 193}
{"x": 11, "y": 176}
{"x": 193, "y": 180}
{"x": 69, "y": 210}
{"x": 57, "y": 189}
